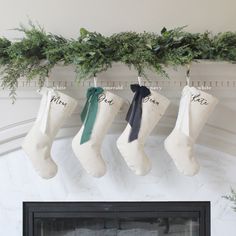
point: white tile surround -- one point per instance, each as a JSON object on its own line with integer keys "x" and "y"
{"x": 19, "y": 183}
{"x": 216, "y": 151}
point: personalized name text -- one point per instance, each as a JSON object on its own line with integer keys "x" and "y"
{"x": 150, "y": 99}
{"x": 102, "y": 98}
{"x": 57, "y": 100}
{"x": 199, "y": 99}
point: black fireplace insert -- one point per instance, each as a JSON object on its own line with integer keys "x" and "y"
{"x": 116, "y": 218}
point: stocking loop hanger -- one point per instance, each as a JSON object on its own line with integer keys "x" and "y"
{"x": 188, "y": 75}
{"x": 140, "y": 80}
{"x": 95, "y": 81}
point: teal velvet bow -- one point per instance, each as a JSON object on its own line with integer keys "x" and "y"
{"x": 89, "y": 113}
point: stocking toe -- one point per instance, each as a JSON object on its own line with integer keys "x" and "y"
{"x": 48, "y": 170}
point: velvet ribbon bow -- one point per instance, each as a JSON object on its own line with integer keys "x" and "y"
{"x": 134, "y": 114}
{"x": 89, "y": 113}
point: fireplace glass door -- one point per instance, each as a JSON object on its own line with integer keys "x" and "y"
{"x": 116, "y": 219}
{"x": 178, "y": 226}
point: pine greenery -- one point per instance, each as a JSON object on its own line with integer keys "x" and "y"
{"x": 232, "y": 198}
{"x": 38, "y": 52}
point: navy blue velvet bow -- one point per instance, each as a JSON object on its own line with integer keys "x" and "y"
{"x": 134, "y": 114}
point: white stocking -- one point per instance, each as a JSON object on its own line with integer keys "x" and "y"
{"x": 153, "y": 108}
{"x": 55, "y": 107}
{"x": 194, "y": 109}
{"x": 89, "y": 153}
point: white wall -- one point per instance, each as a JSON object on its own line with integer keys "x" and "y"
{"x": 18, "y": 181}
{"x": 108, "y": 16}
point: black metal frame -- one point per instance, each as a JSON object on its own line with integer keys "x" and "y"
{"x": 35, "y": 210}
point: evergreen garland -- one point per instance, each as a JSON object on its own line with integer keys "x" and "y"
{"x": 38, "y": 52}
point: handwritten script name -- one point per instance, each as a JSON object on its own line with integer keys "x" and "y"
{"x": 102, "y": 98}
{"x": 57, "y": 100}
{"x": 150, "y": 99}
{"x": 200, "y": 100}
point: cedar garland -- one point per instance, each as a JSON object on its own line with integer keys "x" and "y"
{"x": 91, "y": 53}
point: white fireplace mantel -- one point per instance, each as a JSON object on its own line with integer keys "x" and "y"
{"x": 218, "y": 78}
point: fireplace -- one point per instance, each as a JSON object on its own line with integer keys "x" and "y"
{"x": 116, "y": 218}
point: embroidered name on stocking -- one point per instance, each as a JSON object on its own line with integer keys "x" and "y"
{"x": 57, "y": 100}
{"x": 102, "y": 98}
{"x": 200, "y": 100}
{"x": 152, "y": 100}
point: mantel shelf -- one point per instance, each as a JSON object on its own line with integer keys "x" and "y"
{"x": 205, "y": 74}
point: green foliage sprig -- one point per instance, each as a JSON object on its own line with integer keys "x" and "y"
{"x": 38, "y": 52}
{"x": 232, "y": 198}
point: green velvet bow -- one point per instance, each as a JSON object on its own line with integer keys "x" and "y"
{"x": 89, "y": 113}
